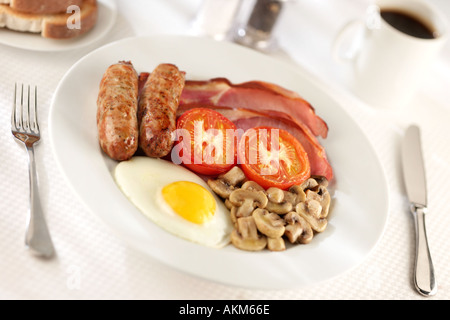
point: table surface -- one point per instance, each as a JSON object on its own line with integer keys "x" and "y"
{"x": 91, "y": 263}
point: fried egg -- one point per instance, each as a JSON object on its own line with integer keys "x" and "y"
{"x": 175, "y": 199}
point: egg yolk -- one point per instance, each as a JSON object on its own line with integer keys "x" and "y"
{"x": 190, "y": 200}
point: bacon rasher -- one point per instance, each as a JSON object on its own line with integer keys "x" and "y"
{"x": 254, "y": 95}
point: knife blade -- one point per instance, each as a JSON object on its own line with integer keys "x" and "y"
{"x": 413, "y": 167}
{"x": 415, "y": 183}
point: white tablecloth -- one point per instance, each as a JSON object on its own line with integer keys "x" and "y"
{"x": 91, "y": 263}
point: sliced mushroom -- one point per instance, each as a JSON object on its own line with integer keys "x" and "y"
{"x": 276, "y": 244}
{"x": 275, "y": 195}
{"x": 255, "y": 212}
{"x": 247, "y": 201}
{"x": 297, "y": 229}
{"x": 309, "y": 184}
{"x": 314, "y": 208}
{"x": 325, "y": 201}
{"x": 297, "y": 194}
{"x": 234, "y": 177}
{"x": 221, "y": 188}
{"x": 321, "y": 180}
{"x": 280, "y": 208}
{"x": 228, "y": 204}
{"x": 233, "y": 217}
{"x": 226, "y": 183}
{"x": 269, "y": 224}
{"x": 246, "y": 236}
{"x": 252, "y": 185}
{"x": 280, "y": 201}
{"x": 317, "y": 224}
{"x": 322, "y": 197}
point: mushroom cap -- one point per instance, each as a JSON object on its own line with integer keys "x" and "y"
{"x": 220, "y": 188}
{"x": 275, "y": 195}
{"x": 317, "y": 224}
{"x": 322, "y": 197}
{"x": 234, "y": 177}
{"x": 299, "y": 193}
{"x": 246, "y": 237}
{"x": 252, "y": 185}
{"x": 280, "y": 208}
{"x": 280, "y": 201}
{"x": 325, "y": 201}
{"x": 276, "y": 244}
{"x": 309, "y": 184}
{"x": 297, "y": 229}
{"x": 239, "y": 196}
{"x": 247, "y": 244}
{"x": 269, "y": 224}
{"x": 227, "y": 182}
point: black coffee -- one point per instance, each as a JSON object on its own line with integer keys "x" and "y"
{"x": 408, "y": 24}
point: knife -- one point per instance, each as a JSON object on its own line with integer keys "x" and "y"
{"x": 416, "y": 189}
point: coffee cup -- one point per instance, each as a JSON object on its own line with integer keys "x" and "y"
{"x": 392, "y": 50}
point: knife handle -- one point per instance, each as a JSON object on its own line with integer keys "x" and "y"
{"x": 424, "y": 278}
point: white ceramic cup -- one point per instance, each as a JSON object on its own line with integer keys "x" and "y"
{"x": 388, "y": 65}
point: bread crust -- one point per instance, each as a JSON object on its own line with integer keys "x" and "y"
{"x": 43, "y": 6}
{"x": 54, "y": 26}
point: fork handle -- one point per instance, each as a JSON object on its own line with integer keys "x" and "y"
{"x": 37, "y": 238}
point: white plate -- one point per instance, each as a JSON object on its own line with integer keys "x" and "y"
{"x": 360, "y": 207}
{"x": 107, "y": 15}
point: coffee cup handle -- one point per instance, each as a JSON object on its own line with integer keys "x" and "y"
{"x": 353, "y": 28}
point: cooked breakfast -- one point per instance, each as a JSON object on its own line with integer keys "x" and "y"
{"x": 214, "y": 162}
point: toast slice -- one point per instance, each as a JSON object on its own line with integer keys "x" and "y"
{"x": 41, "y": 6}
{"x": 54, "y": 26}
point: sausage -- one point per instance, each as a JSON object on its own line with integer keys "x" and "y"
{"x": 158, "y": 104}
{"x": 117, "y": 105}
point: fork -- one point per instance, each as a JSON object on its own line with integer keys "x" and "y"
{"x": 25, "y": 128}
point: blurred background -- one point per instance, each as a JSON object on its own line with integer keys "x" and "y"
{"x": 304, "y": 31}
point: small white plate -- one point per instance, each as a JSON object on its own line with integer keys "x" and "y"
{"x": 360, "y": 202}
{"x": 107, "y": 15}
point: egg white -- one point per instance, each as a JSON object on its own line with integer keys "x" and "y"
{"x": 141, "y": 179}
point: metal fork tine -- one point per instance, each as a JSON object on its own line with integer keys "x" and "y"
{"x": 35, "y": 119}
{"x": 20, "y": 123}
{"x": 26, "y": 120}
{"x": 26, "y": 110}
{"x": 13, "y": 113}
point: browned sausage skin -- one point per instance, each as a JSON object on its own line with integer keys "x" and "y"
{"x": 158, "y": 104}
{"x": 117, "y": 105}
